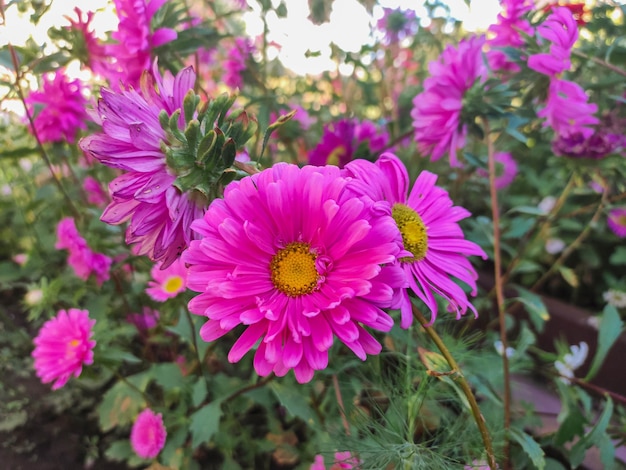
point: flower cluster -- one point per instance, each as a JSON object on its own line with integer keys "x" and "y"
{"x": 572, "y": 361}
{"x": 81, "y": 258}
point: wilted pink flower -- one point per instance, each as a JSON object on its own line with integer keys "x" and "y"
{"x": 616, "y": 221}
{"x": 294, "y": 257}
{"x": 148, "y": 434}
{"x": 159, "y": 213}
{"x": 145, "y": 320}
{"x": 168, "y": 282}
{"x": 95, "y": 194}
{"x": 58, "y": 108}
{"x": 135, "y": 41}
{"x": 345, "y": 140}
{"x": 434, "y": 247}
{"x": 506, "y": 169}
{"x": 506, "y": 32}
{"x": 437, "y": 110}
{"x": 235, "y": 62}
{"x": 63, "y": 345}
{"x": 567, "y": 109}
{"x": 343, "y": 460}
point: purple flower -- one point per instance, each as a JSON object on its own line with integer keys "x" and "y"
{"x": 507, "y": 167}
{"x": 506, "y": 32}
{"x": 160, "y": 214}
{"x": 145, "y": 320}
{"x": 567, "y": 110}
{"x": 561, "y": 30}
{"x": 58, "y": 108}
{"x": 582, "y": 145}
{"x": 345, "y": 140}
{"x": 616, "y": 221}
{"x": 93, "y": 51}
{"x": 397, "y": 24}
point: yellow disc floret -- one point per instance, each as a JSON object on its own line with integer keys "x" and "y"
{"x": 413, "y": 232}
{"x": 173, "y": 284}
{"x": 293, "y": 270}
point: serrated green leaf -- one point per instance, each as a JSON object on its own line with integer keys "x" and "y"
{"x": 205, "y": 422}
{"x": 618, "y": 258}
{"x": 610, "y": 328}
{"x": 530, "y": 446}
{"x": 167, "y": 375}
{"x": 122, "y": 402}
{"x": 296, "y": 402}
{"x": 199, "y": 392}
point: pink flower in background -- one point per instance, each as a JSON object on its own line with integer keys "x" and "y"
{"x": 397, "y": 24}
{"x": 135, "y": 41}
{"x": 567, "y": 109}
{"x": 580, "y": 144}
{"x": 92, "y": 52}
{"x": 167, "y": 283}
{"x": 506, "y": 32}
{"x": 58, "y": 108}
{"x": 146, "y": 320}
{"x": 616, "y": 221}
{"x": 63, "y": 345}
{"x": 437, "y": 110}
{"x": 434, "y": 247}
{"x": 347, "y": 139}
{"x": 298, "y": 260}
{"x": 235, "y": 62}
{"x": 159, "y": 213}
{"x": 67, "y": 235}
{"x": 506, "y": 170}
{"x": 148, "y": 434}
{"x": 95, "y": 193}
{"x": 343, "y": 460}
{"x": 21, "y": 259}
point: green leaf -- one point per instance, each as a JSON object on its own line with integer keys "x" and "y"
{"x": 199, "y": 392}
{"x": 121, "y": 404}
{"x": 537, "y": 311}
{"x": 531, "y": 447}
{"x": 610, "y": 328}
{"x": 295, "y": 401}
{"x": 570, "y": 276}
{"x": 119, "y": 451}
{"x": 205, "y": 422}
{"x": 167, "y": 375}
{"x": 618, "y": 258}
{"x": 593, "y": 437}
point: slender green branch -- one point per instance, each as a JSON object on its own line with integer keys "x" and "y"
{"x": 467, "y": 390}
{"x": 247, "y": 388}
{"x": 342, "y": 409}
{"x": 601, "y": 62}
{"x": 194, "y": 341}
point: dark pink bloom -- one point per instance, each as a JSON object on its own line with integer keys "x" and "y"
{"x": 148, "y": 434}
{"x": 506, "y": 32}
{"x": 617, "y": 221}
{"x": 95, "y": 193}
{"x": 434, "y": 248}
{"x": 298, "y": 260}
{"x": 345, "y": 140}
{"x": 159, "y": 213}
{"x": 397, "y": 24}
{"x": 168, "y": 282}
{"x": 567, "y": 109}
{"x": 343, "y": 460}
{"x": 63, "y": 345}
{"x": 437, "y": 110}
{"x": 235, "y": 62}
{"x": 582, "y": 145}
{"x": 94, "y": 52}
{"x": 145, "y": 320}
{"x": 506, "y": 170}
{"x": 561, "y": 31}
{"x": 58, "y": 108}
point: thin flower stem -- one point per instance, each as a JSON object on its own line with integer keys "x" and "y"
{"x": 194, "y": 341}
{"x": 247, "y": 388}
{"x": 495, "y": 213}
{"x": 467, "y": 390}
{"x": 342, "y": 409}
{"x": 601, "y": 62}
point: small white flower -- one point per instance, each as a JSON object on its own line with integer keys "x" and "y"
{"x": 500, "y": 349}
{"x": 547, "y": 204}
{"x": 554, "y": 245}
{"x": 615, "y": 298}
{"x": 594, "y": 322}
{"x": 572, "y": 361}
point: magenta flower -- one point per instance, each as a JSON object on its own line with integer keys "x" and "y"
{"x": 567, "y": 109}
{"x": 345, "y": 140}
{"x": 159, "y": 213}
{"x": 561, "y": 30}
{"x": 506, "y": 170}
{"x": 145, "y": 320}
{"x": 617, "y": 221}
{"x": 397, "y": 24}
{"x": 235, "y": 63}
{"x": 343, "y": 460}
{"x": 62, "y": 346}
{"x": 434, "y": 248}
{"x": 95, "y": 194}
{"x": 437, "y": 110}
{"x": 506, "y": 32}
{"x": 168, "y": 282}
{"x": 296, "y": 259}
{"x": 91, "y": 51}
{"x": 148, "y": 434}
{"x": 58, "y": 108}
{"x": 580, "y": 144}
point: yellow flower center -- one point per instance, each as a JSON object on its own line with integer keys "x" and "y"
{"x": 74, "y": 343}
{"x": 70, "y": 351}
{"x": 293, "y": 270}
{"x": 173, "y": 284}
{"x": 335, "y": 155}
{"x": 621, "y": 220}
{"x": 413, "y": 230}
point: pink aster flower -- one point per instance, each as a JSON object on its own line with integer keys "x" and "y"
{"x": 561, "y": 31}
{"x": 298, "y": 260}
{"x": 506, "y": 32}
{"x": 168, "y": 282}
{"x": 95, "y": 194}
{"x": 148, "y": 434}
{"x": 91, "y": 51}
{"x": 145, "y": 320}
{"x": 506, "y": 169}
{"x": 345, "y": 140}
{"x": 434, "y": 247}
{"x": 63, "y": 345}
{"x": 567, "y": 109}
{"x": 343, "y": 460}
{"x": 235, "y": 62}
{"x": 134, "y": 40}
{"x": 437, "y": 110}
{"x": 159, "y": 213}
{"x": 58, "y": 108}
{"x": 617, "y": 221}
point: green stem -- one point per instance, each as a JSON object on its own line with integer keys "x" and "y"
{"x": 194, "y": 341}
{"x": 478, "y": 417}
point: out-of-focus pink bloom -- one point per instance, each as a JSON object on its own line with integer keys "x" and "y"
{"x": 94, "y": 52}
{"x": 145, "y": 320}
{"x": 135, "y": 41}
{"x": 396, "y": 24}
{"x": 167, "y": 283}
{"x": 561, "y": 30}
{"x": 616, "y": 221}
{"x": 235, "y": 62}
{"x": 506, "y": 32}
{"x": 67, "y": 235}
{"x": 345, "y": 140}
{"x": 506, "y": 169}
{"x": 579, "y": 144}
{"x": 63, "y": 345}
{"x": 437, "y": 110}
{"x": 20, "y": 258}
{"x": 148, "y": 434}
{"x": 343, "y": 460}
{"x": 95, "y": 193}
{"x": 567, "y": 109}
{"x": 58, "y": 108}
